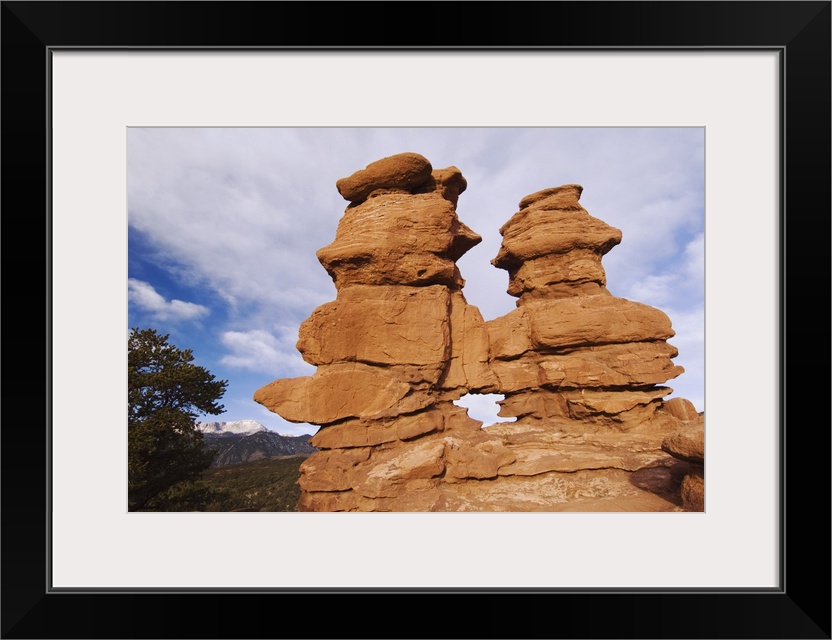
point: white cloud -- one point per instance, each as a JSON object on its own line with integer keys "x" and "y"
{"x": 259, "y": 350}
{"x": 695, "y": 259}
{"x": 680, "y": 286}
{"x": 148, "y": 299}
{"x": 654, "y": 290}
{"x": 238, "y": 211}
{"x": 689, "y": 326}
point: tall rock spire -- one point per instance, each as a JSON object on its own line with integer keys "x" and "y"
{"x": 572, "y": 354}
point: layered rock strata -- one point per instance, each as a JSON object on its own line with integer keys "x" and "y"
{"x": 396, "y": 347}
{"x": 581, "y": 370}
{"x": 572, "y": 355}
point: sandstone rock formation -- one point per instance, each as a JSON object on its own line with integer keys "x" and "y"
{"x": 580, "y": 369}
{"x": 688, "y": 445}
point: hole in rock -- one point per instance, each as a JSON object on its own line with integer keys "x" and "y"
{"x": 484, "y": 407}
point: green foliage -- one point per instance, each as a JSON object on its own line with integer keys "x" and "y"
{"x": 270, "y": 484}
{"x": 165, "y": 393}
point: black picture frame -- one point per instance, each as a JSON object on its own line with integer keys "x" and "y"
{"x": 799, "y": 608}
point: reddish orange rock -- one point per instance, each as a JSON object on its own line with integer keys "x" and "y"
{"x": 448, "y": 183}
{"x": 688, "y": 444}
{"x": 552, "y": 247}
{"x": 384, "y": 325}
{"x": 582, "y": 371}
{"x": 399, "y": 239}
{"x": 403, "y": 171}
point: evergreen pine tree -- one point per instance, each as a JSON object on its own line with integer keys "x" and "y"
{"x": 165, "y": 393}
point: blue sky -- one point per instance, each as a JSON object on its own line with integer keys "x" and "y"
{"x": 224, "y": 225}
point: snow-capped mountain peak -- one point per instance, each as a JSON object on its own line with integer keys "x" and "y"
{"x": 236, "y": 427}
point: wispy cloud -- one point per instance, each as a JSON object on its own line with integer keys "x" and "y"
{"x": 689, "y": 326}
{"x": 259, "y": 350}
{"x": 240, "y": 212}
{"x": 695, "y": 260}
{"x": 679, "y": 286}
{"x": 143, "y": 295}
{"x": 679, "y": 292}
{"x": 653, "y": 289}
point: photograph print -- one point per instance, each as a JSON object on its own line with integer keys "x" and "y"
{"x": 416, "y": 319}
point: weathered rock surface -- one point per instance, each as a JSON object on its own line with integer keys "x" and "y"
{"x": 383, "y": 325}
{"x": 582, "y": 370}
{"x": 693, "y": 489}
{"x": 332, "y": 394}
{"x": 406, "y": 233}
{"x": 403, "y": 171}
{"x": 688, "y": 444}
{"x": 552, "y": 247}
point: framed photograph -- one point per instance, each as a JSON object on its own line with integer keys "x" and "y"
{"x": 754, "y": 77}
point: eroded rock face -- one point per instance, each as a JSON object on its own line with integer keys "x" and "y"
{"x": 401, "y": 228}
{"x": 581, "y": 370}
{"x": 404, "y": 172}
{"x": 688, "y": 445}
{"x": 571, "y": 353}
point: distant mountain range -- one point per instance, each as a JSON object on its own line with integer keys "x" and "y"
{"x": 247, "y": 440}
{"x": 231, "y": 427}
